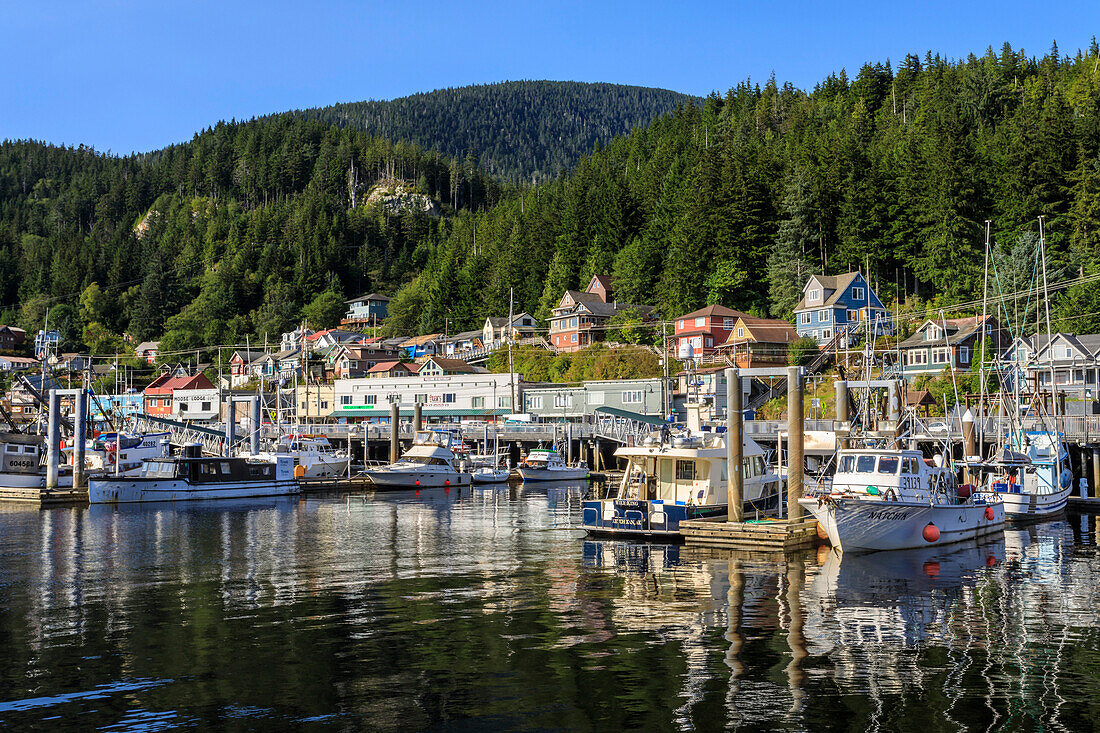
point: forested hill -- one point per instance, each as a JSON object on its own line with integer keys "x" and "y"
{"x": 252, "y": 226}
{"x": 521, "y": 130}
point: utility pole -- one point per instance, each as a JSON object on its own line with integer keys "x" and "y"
{"x": 511, "y": 365}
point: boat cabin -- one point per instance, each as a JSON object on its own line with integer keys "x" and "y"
{"x": 891, "y": 475}
{"x": 21, "y": 453}
{"x": 218, "y": 470}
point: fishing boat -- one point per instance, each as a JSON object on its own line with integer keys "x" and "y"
{"x": 546, "y": 464}
{"x": 23, "y": 469}
{"x": 490, "y": 475}
{"x": 313, "y": 456}
{"x": 191, "y": 476}
{"x": 682, "y": 477}
{"x": 430, "y": 462}
{"x": 1034, "y": 480}
{"x": 121, "y": 454}
{"x": 888, "y": 499}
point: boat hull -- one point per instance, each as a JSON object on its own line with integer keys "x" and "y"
{"x": 126, "y": 491}
{"x": 29, "y": 486}
{"x": 1022, "y": 506}
{"x": 496, "y": 477}
{"x": 643, "y": 518}
{"x": 399, "y": 480}
{"x": 855, "y": 525}
{"x": 548, "y": 474}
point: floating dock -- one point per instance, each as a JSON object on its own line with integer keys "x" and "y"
{"x": 340, "y": 483}
{"x": 770, "y": 536}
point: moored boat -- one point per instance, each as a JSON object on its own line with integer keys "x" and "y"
{"x": 313, "y": 456}
{"x": 192, "y": 476}
{"x": 23, "y": 470}
{"x": 1034, "y": 480}
{"x": 429, "y": 463}
{"x": 546, "y": 464}
{"x": 886, "y": 499}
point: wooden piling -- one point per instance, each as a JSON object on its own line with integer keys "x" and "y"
{"x": 796, "y": 461}
{"x": 735, "y": 491}
{"x": 395, "y": 426}
{"x": 52, "y": 440}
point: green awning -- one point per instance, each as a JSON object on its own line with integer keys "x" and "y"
{"x": 627, "y": 414}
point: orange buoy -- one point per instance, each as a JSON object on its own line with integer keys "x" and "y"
{"x": 418, "y": 482}
{"x": 931, "y": 532}
{"x": 989, "y": 513}
{"x": 299, "y": 471}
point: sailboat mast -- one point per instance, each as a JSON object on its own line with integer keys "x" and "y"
{"x": 981, "y": 343}
{"x": 1050, "y": 345}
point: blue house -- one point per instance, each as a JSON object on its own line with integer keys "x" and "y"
{"x": 840, "y": 306}
{"x": 366, "y": 310}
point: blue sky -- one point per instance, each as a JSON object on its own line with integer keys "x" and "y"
{"x": 126, "y": 75}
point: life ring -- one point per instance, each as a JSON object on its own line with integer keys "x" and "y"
{"x": 111, "y": 457}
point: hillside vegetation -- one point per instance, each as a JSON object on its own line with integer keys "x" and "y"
{"x": 252, "y": 226}
{"x": 521, "y": 130}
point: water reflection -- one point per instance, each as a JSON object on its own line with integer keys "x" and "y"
{"x": 487, "y": 607}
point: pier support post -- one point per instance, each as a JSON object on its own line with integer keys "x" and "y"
{"x": 569, "y": 443}
{"x": 52, "y": 438}
{"x": 796, "y": 461}
{"x": 735, "y": 449}
{"x": 395, "y": 427}
{"x": 1096, "y": 472}
{"x": 230, "y": 426}
{"x": 841, "y": 386}
{"x": 80, "y": 429}
{"x": 257, "y": 423}
{"x": 418, "y": 418}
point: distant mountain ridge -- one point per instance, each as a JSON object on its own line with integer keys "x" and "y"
{"x": 520, "y": 130}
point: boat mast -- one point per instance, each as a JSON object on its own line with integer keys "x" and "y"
{"x": 982, "y": 344}
{"x": 1050, "y": 345}
{"x": 511, "y": 366}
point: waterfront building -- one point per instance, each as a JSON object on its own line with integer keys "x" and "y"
{"x": 447, "y": 398}
{"x": 840, "y": 305}
{"x": 352, "y": 361}
{"x": 245, "y": 364}
{"x": 393, "y": 369}
{"x": 577, "y": 402}
{"x": 322, "y": 341}
{"x": 159, "y": 393}
{"x": 705, "y": 329}
{"x": 1074, "y": 360}
{"x": 438, "y": 366}
{"x": 759, "y": 342}
{"x": 196, "y": 404}
{"x": 314, "y": 402}
{"x": 580, "y": 318}
{"x": 462, "y": 342}
{"x": 17, "y": 363}
{"x": 950, "y": 343}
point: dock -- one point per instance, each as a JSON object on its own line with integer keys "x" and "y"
{"x": 338, "y": 483}
{"x": 1084, "y": 505}
{"x": 780, "y": 535}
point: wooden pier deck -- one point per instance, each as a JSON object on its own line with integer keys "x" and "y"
{"x": 1085, "y": 505}
{"x": 772, "y": 536}
{"x": 341, "y": 483}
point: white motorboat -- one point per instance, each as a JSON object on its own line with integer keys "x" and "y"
{"x": 685, "y": 477}
{"x": 1034, "y": 480}
{"x": 191, "y": 476}
{"x": 429, "y": 463}
{"x": 490, "y": 475}
{"x": 546, "y": 464}
{"x": 313, "y": 456}
{"x": 121, "y": 454}
{"x": 23, "y": 469}
{"x": 896, "y": 500}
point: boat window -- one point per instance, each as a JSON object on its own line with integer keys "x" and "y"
{"x": 759, "y": 468}
{"x": 225, "y": 468}
{"x": 685, "y": 470}
{"x": 911, "y": 466}
{"x": 11, "y": 448}
{"x": 847, "y": 464}
{"x": 888, "y": 464}
{"x": 865, "y": 464}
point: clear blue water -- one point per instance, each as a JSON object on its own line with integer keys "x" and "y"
{"x": 491, "y": 610}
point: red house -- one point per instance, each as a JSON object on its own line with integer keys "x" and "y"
{"x": 705, "y": 329}
{"x": 578, "y": 319}
{"x": 158, "y": 395}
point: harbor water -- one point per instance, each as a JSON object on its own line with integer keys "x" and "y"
{"x": 489, "y": 609}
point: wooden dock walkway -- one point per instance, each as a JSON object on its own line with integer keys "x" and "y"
{"x": 341, "y": 483}
{"x": 771, "y": 536}
{"x": 1087, "y": 505}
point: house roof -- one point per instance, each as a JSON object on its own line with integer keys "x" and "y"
{"x": 249, "y": 356}
{"x": 603, "y": 280}
{"x": 464, "y": 335}
{"x": 837, "y": 284}
{"x": 958, "y": 330}
{"x": 421, "y": 340}
{"x": 336, "y": 334}
{"x": 501, "y": 321}
{"x": 923, "y": 397}
{"x": 385, "y": 366}
{"x": 286, "y": 354}
{"x": 720, "y": 311}
{"x": 451, "y": 365}
{"x": 763, "y": 330}
{"x": 198, "y": 381}
{"x": 159, "y": 382}
{"x": 369, "y": 296}
{"x": 147, "y": 346}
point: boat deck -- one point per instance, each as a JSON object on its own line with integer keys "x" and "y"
{"x": 773, "y": 536}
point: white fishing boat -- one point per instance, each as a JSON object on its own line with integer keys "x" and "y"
{"x": 430, "y": 462}
{"x": 314, "y": 456}
{"x": 1034, "y": 480}
{"x": 683, "y": 477}
{"x": 191, "y": 476}
{"x": 23, "y": 469}
{"x": 546, "y": 464}
{"x": 896, "y": 500}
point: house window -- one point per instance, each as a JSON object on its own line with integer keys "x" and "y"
{"x": 940, "y": 356}
{"x": 685, "y": 470}
{"x": 824, "y": 316}
{"x": 858, "y": 293}
{"x": 345, "y": 399}
{"x": 573, "y": 322}
{"x": 827, "y": 334}
{"x": 964, "y": 354}
{"x": 534, "y": 403}
{"x": 206, "y": 407}
{"x": 804, "y": 318}
{"x": 917, "y": 357}
{"x": 697, "y": 342}
{"x": 740, "y": 333}
{"x": 183, "y": 407}
{"x": 727, "y": 324}
{"x": 421, "y": 398}
{"x": 710, "y": 341}
{"x": 934, "y": 333}
{"x": 371, "y": 399}
{"x": 680, "y": 324}
{"x": 853, "y": 316}
{"x": 448, "y": 398}
{"x": 561, "y": 400}
{"x": 324, "y": 404}
{"x": 504, "y": 402}
{"x": 477, "y": 402}
{"x": 813, "y": 296}
{"x": 574, "y": 338}
{"x": 700, "y": 322}
{"x": 595, "y": 398}
{"x": 633, "y": 397}
{"x": 1068, "y": 353}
